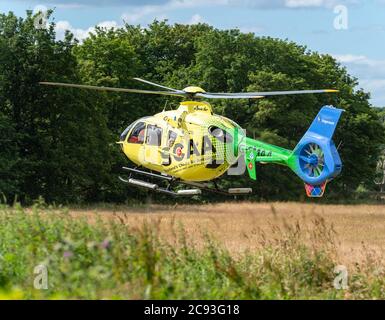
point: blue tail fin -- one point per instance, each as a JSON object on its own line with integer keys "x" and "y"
{"x": 325, "y": 123}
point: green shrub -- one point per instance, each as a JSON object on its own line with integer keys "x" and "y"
{"x": 111, "y": 260}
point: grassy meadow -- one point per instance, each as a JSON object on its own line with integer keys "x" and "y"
{"x": 218, "y": 251}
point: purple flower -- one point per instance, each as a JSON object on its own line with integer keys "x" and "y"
{"x": 67, "y": 254}
{"x": 106, "y": 244}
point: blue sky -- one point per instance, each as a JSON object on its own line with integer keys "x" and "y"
{"x": 357, "y": 42}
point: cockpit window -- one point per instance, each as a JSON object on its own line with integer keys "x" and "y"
{"x": 137, "y": 134}
{"x": 154, "y": 135}
{"x": 125, "y": 132}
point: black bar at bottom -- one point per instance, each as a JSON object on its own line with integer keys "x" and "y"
{"x": 185, "y": 309}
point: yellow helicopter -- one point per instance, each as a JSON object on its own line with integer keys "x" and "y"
{"x": 192, "y": 146}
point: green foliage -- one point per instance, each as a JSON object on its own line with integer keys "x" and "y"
{"x": 9, "y": 155}
{"x": 111, "y": 260}
{"x": 62, "y": 147}
{"x": 61, "y": 142}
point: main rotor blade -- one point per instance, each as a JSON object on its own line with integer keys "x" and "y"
{"x": 82, "y": 86}
{"x": 227, "y": 96}
{"x": 275, "y": 93}
{"x": 156, "y": 85}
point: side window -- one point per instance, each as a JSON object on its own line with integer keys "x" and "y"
{"x": 171, "y": 138}
{"x": 154, "y": 135}
{"x": 137, "y": 134}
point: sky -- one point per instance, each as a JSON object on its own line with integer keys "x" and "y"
{"x": 353, "y": 31}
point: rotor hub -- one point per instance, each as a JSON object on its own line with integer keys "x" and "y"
{"x": 193, "y": 90}
{"x": 313, "y": 160}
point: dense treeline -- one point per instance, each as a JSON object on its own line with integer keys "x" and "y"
{"x": 59, "y": 143}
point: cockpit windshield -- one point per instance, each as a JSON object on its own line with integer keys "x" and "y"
{"x": 124, "y": 134}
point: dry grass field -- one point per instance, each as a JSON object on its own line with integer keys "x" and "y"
{"x": 235, "y": 250}
{"x": 358, "y": 231}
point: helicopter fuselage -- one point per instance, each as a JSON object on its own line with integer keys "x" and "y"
{"x": 190, "y": 143}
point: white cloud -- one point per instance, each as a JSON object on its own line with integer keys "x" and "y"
{"x": 80, "y": 34}
{"x": 198, "y": 3}
{"x": 350, "y": 58}
{"x": 69, "y": 5}
{"x": 108, "y": 24}
{"x": 370, "y": 73}
{"x": 311, "y": 3}
{"x": 138, "y": 13}
{"x": 195, "y": 19}
{"x": 148, "y": 12}
{"x": 360, "y": 64}
{"x": 375, "y": 85}
{"x": 303, "y": 3}
{"x": 377, "y": 88}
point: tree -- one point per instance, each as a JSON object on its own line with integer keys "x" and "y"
{"x": 9, "y": 156}
{"x": 62, "y": 142}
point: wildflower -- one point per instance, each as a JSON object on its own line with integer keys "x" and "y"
{"x": 106, "y": 244}
{"x": 67, "y": 254}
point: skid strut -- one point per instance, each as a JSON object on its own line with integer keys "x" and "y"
{"x": 171, "y": 180}
{"x": 155, "y": 186}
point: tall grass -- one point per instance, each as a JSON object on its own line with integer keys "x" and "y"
{"x": 113, "y": 260}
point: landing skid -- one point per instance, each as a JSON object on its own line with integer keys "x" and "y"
{"x": 216, "y": 189}
{"x": 171, "y": 181}
{"x": 155, "y": 186}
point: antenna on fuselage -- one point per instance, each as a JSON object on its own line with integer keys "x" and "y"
{"x": 165, "y": 106}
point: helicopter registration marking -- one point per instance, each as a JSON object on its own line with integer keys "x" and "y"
{"x": 259, "y": 152}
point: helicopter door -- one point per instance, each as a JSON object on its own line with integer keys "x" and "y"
{"x": 153, "y": 142}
